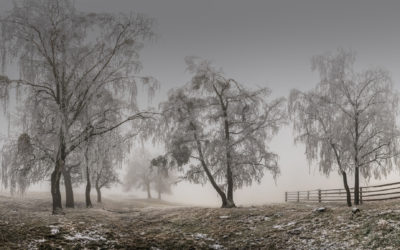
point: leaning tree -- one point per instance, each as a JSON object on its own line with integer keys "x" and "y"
{"x": 219, "y": 129}
{"x": 67, "y": 60}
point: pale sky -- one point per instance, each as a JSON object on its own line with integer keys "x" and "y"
{"x": 262, "y": 43}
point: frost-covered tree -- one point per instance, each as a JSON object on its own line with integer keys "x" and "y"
{"x": 139, "y": 173}
{"x": 67, "y": 60}
{"x": 163, "y": 178}
{"x": 319, "y": 125}
{"x": 109, "y": 153}
{"x": 220, "y": 129}
{"x": 104, "y": 176}
{"x": 362, "y": 125}
{"x": 21, "y": 164}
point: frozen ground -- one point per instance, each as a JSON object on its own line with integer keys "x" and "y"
{"x": 141, "y": 224}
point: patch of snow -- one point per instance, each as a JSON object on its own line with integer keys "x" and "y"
{"x": 217, "y": 246}
{"x": 79, "y": 236}
{"x": 320, "y": 209}
{"x": 200, "y": 236}
{"x": 282, "y": 226}
{"x": 224, "y": 217}
{"x": 54, "y": 229}
{"x": 266, "y": 218}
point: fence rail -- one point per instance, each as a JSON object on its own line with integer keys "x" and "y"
{"x": 381, "y": 192}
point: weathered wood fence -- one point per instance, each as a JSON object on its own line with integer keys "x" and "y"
{"x": 367, "y": 193}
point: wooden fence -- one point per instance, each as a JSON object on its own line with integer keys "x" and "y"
{"x": 367, "y": 193}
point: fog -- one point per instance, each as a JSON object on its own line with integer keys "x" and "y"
{"x": 259, "y": 43}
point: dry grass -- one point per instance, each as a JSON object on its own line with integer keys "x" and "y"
{"x": 142, "y": 224}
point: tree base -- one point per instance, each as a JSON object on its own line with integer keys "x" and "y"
{"x": 228, "y": 204}
{"x": 58, "y": 211}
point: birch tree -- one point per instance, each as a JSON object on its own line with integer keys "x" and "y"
{"x": 67, "y": 59}
{"x": 365, "y": 105}
{"x": 319, "y": 125}
{"x": 219, "y": 129}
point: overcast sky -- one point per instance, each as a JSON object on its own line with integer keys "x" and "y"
{"x": 263, "y": 43}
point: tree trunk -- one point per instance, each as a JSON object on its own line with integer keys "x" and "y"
{"x": 229, "y": 176}
{"x": 159, "y": 195}
{"x": 69, "y": 193}
{"x": 356, "y": 163}
{"x": 346, "y": 186}
{"x": 356, "y": 186}
{"x": 208, "y": 173}
{"x": 56, "y": 176}
{"x": 88, "y": 184}
{"x": 98, "y": 194}
{"x": 148, "y": 190}
{"x": 87, "y": 193}
{"x": 55, "y": 188}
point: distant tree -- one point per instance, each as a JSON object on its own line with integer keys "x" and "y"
{"x": 362, "y": 123}
{"x": 139, "y": 174}
{"x": 110, "y": 151}
{"x": 219, "y": 129}
{"x": 67, "y": 60}
{"x": 163, "y": 178}
{"x": 104, "y": 176}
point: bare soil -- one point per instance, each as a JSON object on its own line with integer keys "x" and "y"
{"x": 151, "y": 224}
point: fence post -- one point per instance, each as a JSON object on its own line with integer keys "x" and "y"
{"x": 285, "y": 196}
{"x": 308, "y": 195}
{"x": 298, "y": 196}
{"x": 361, "y": 201}
{"x": 319, "y": 195}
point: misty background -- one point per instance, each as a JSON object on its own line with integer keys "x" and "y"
{"x": 259, "y": 43}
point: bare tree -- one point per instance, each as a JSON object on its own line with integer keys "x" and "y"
{"x": 65, "y": 68}
{"x": 224, "y": 127}
{"x": 362, "y": 124}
